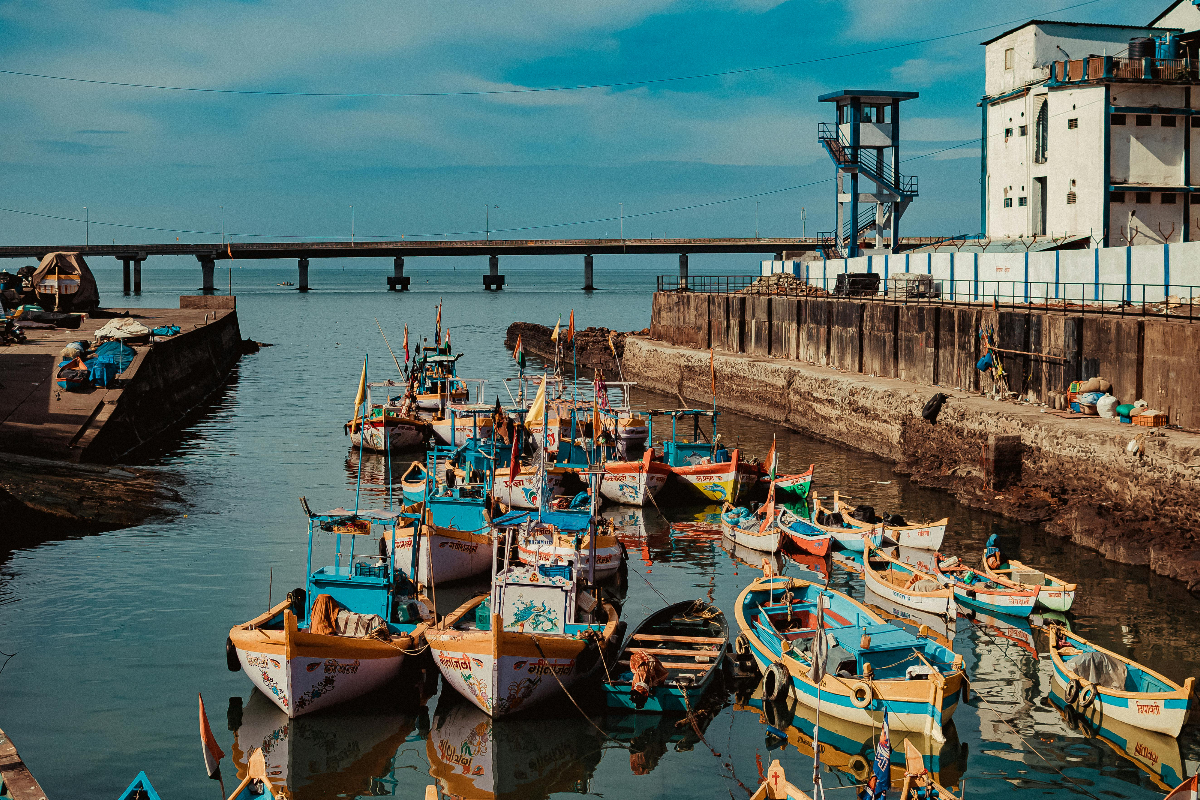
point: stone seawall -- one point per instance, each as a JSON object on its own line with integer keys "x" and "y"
{"x": 1074, "y": 475}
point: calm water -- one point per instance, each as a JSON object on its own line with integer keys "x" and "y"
{"x": 115, "y": 634}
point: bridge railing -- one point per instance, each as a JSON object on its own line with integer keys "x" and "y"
{"x": 1119, "y": 299}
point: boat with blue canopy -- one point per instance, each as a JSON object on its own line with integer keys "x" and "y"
{"x": 703, "y": 468}
{"x": 872, "y": 665}
{"x": 348, "y": 631}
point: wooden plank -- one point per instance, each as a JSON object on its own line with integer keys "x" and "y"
{"x": 655, "y": 637}
{"x": 19, "y": 782}
{"x": 673, "y": 665}
{"x": 656, "y": 652}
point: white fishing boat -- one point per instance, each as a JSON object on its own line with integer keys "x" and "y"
{"x": 380, "y": 423}
{"x": 346, "y": 633}
{"x": 923, "y": 536}
{"x": 561, "y": 542}
{"x": 524, "y": 491}
{"x": 634, "y": 483}
{"x": 907, "y": 585}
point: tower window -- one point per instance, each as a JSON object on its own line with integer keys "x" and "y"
{"x": 1023, "y": 130}
{"x": 1007, "y": 133}
{"x": 1116, "y": 197}
{"x": 1071, "y": 198}
{"x": 1141, "y": 197}
{"x": 1008, "y": 57}
{"x": 1143, "y": 120}
{"x": 1117, "y": 119}
{"x": 1168, "y": 198}
{"x": 1041, "y": 134}
{"x": 1022, "y": 201}
{"x": 1168, "y": 122}
{"x": 1008, "y": 202}
{"x": 1073, "y": 123}
{"x": 1196, "y": 122}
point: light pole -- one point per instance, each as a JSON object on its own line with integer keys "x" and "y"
{"x": 487, "y": 220}
{"x": 803, "y": 224}
{"x": 351, "y": 226}
{"x": 87, "y": 226}
{"x": 223, "y": 230}
{"x": 622, "y": 205}
{"x": 756, "y": 202}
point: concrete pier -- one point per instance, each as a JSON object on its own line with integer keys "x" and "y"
{"x": 683, "y": 270}
{"x": 587, "y": 274}
{"x": 208, "y": 267}
{"x": 125, "y": 276}
{"x": 493, "y": 281}
{"x": 398, "y": 283}
{"x": 302, "y": 281}
{"x": 137, "y": 276}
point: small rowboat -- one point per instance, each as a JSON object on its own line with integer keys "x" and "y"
{"x": 976, "y": 589}
{"x": 1104, "y": 685}
{"x": 777, "y": 787}
{"x": 817, "y": 544}
{"x": 907, "y": 585}
{"x": 1053, "y": 594}
{"x": 924, "y": 536}
{"x": 670, "y": 659}
{"x": 140, "y": 789}
{"x": 749, "y": 530}
{"x": 834, "y": 525}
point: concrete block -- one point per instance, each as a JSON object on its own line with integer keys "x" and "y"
{"x": 1169, "y": 371}
{"x": 784, "y": 327}
{"x": 758, "y": 325}
{"x": 736, "y": 324}
{"x": 718, "y": 321}
{"x": 1061, "y": 341}
{"x": 1112, "y": 349}
{"x": 880, "y": 324}
{"x": 696, "y": 331}
{"x": 845, "y": 335}
{"x": 814, "y": 331}
{"x": 917, "y": 330}
{"x": 958, "y": 348}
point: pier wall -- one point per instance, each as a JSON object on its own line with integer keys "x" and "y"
{"x": 1144, "y": 358}
{"x": 1075, "y": 475}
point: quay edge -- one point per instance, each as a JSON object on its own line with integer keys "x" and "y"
{"x": 1073, "y": 475}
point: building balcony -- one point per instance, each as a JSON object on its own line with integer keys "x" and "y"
{"x": 1111, "y": 68}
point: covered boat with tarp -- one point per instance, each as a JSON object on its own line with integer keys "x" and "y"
{"x": 63, "y": 282}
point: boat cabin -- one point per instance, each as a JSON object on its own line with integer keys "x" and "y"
{"x": 680, "y": 451}
{"x": 461, "y": 503}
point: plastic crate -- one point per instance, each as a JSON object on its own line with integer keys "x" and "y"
{"x": 1150, "y": 420}
{"x": 555, "y": 570}
{"x": 1125, "y": 420}
{"x": 1075, "y": 408}
{"x": 367, "y": 571}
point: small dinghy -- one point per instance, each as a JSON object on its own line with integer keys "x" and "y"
{"x": 1103, "y": 685}
{"x": 833, "y": 524}
{"x": 670, "y": 659}
{"x": 753, "y": 530}
{"x": 1053, "y": 594}
{"x": 907, "y": 585}
{"x": 140, "y": 789}
{"x": 777, "y": 787}
{"x": 976, "y": 589}
{"x": 924, "y": 535}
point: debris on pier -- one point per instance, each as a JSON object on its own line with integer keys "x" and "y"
{"x": 591, "y": 347}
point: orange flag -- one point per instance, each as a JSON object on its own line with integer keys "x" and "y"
{"x": 571, "y": 327}
{"x": 208, "y": 744}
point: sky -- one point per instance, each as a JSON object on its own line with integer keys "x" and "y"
{"x": 732, "y": 154}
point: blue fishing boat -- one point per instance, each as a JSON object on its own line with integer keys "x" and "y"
{"x": 871, "y": 665}
{"x": 670, "y": 659}
{"x": 702, "y": 466}
{"x": 832, "y": 523}
{"x": 140, "y": 789}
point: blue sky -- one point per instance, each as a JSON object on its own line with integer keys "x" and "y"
{"x": 293, "y": 166}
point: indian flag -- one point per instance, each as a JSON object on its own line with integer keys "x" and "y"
{"x": 772, "y": 461}
{"x": 519, "y": 353}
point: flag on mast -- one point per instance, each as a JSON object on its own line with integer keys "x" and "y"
{"x": 537, "y": 409}
{"x": 772, "y": 461}
{"x": 557, "y": 326}
{"x": 514, "y": 467}
{"x": 877, "y": 784}
{"x": 406, "y": 344}
{"x": 571, "y": 328}
{"x": 362, "y": 391}
{"x": 208, "y": 745}
{"x": 1185, "y": 790}
{"x": 437, "y": 326}
{"x": 820, "y": 646}
{"x": 448, "y": 350}
{"x": 519, "y": 353}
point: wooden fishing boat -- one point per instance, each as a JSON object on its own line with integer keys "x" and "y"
{"x": 1053, "y": 594}
{"x": 670, "y": 659}
{"x": 704, "y": 469}
{"x": 530, "y": 640}
{"x": 917, "y": 680}
{"x": 907, "y": 585}
{"x": 923, "y": 536}
{"x": 833, "y": 525}
{"x": 256, "y": 785}
{"x": 462, "y": 422}
{"x": 140, "y": 789}
{"x": 634, "y": 483}
{"x": 386, "y": 425}
{"x": 1108, "y": 686}
{"x": 941, "y": 629}
{"x": 976, "y": 589}
{"x": 751, "y": 530}
{"x": 524, "y": 492}
{"x": 777, "y": 787}
{"x": 565, "y": 540}
{"x": 791, "y": 495}
{"x": 368, "y": 617}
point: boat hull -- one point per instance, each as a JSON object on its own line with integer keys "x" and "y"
{"x": 400, "y": 436}
{"x": 922, "y": 537}
{"x": 761, "y": 541}
{"x": 1161, "y": 712}
{"x": 559, "y": 550}
{"x": 940, "y": 603}
{"x": 1014, "y": 604}
{"x": 457, "y": 431}
{"x": 525, "y": 492}
{"x": 457, "y": 555}
{"x": 303, "y": 672}
{"x": 723, "y": 482}
{"x": 633, "y": 483}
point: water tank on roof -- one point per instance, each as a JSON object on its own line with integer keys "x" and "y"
{"x": 1141, "y": 47}
{"x": 1166, "y": 45}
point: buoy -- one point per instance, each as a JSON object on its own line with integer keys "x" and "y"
{"x": 861, "y": 694}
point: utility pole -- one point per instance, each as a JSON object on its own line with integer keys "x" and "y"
{"x": 622, "y": 221}
{"x": 756, "y": 236}
{"x": 803, "y": 224}
{"x": 487, "y": 219}
{"x": 351, "y": 226}
{"x": 87, "y": 226}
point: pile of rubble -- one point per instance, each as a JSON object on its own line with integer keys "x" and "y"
{"x": 786, "y": 284}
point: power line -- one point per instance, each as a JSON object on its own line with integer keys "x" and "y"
{"x": 528, "y": 89}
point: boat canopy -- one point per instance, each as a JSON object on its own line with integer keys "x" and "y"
{"x": 564, "y": 521}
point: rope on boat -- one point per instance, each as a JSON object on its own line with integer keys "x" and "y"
{"x": 648, "y": 583}
{"x": 557, "y": 679}
{"x": 691, "y": 717}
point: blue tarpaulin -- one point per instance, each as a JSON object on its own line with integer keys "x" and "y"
{"x": 116, "y": 353}
{"x": 563, "y": 520}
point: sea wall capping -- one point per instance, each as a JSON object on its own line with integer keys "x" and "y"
{"x": 1076, "y": 475}
{"x": 208, "y": 301}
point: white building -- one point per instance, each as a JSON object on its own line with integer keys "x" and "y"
{"x": 1081, "y": 139}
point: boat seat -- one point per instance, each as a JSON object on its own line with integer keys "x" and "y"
{"x": 656, "y": 637}
{"x": 662, "y": 652}
{"x": 674, "y": 665}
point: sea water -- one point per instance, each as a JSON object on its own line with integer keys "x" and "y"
{"x": 113, "y": 635}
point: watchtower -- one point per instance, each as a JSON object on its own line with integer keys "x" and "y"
{"x": 864, "y": 140}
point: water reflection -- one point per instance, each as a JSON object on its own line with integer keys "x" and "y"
{"x": 475, "y": 757}
{"x": 650, "y": 737}
{"x": 345, "y": 752}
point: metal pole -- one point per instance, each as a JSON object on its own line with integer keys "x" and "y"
{"x": 87, "y": 227}
{"x": 622, "y": 205}
{"x": 351, "y": 225}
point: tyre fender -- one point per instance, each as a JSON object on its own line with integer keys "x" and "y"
{"x": 1072, "y": 691}
{"x": 861, "y": 694}
{"x": 860, "y": 768}
{"x": 231, "y": 657}
{"x": 776, "y": 682}
{"x": 1087, "y": 695}
{"x": 741, "y": 647}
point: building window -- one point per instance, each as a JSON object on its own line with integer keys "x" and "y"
{"x": 1022, "y": 201}
{"x": 1141, "y": 197}
{"x": 1118, "y": 119}
{"x": 1008, "y": 133}
{"x": 1008, "y": 58}
{"x": 1196, "y": 122}
{"x": 1168, "y": 122}
{"x": 1071, "y": 198}
{"x": 1023, "y": 130}
{"x": 1168, "y": 198}
{"x": 1116, "y": 197}
{"x": 1008, "y": 202}
{"x": 1041, "y": 134}
{"x": 1142, "y": 120}
{"x": 1073, "y": 123}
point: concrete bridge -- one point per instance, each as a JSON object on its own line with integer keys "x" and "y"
{"x": 210, "y": 253}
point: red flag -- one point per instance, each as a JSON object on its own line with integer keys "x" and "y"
{"x": 769, "y": 515}
{"x": 515, "y": 466}
{"x": 212, "y": 751}
{"x": 405, "y": 344}
{"x": 1185, "y": 790}
{"x": 571, "y": 327}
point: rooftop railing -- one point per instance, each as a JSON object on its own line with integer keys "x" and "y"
{"x": 1095, "y": 68}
